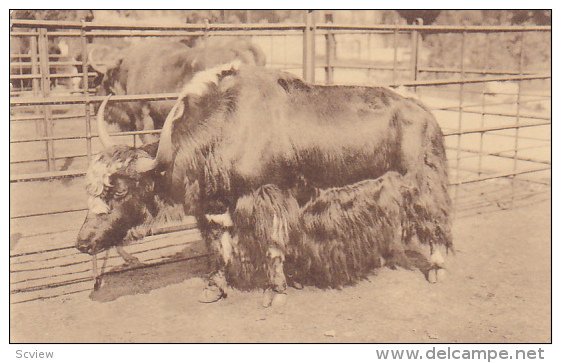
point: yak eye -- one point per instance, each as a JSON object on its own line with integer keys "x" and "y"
{"x": 120, "y": 193}
{"x": 119, "y": 188}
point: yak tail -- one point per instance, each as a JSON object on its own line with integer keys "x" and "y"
{"x": 434, "y": 205}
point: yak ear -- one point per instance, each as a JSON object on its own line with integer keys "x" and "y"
{"x": 145, "y": 164}
{"x": 103, "y": 57}
{"x": 151, "y": 185}
{"x": 148, "y": 185}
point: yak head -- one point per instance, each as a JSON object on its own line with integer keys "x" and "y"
{"x": 106, "y": 61}
{"x": 121, "y": 187}
{"x": 123, "y": 183}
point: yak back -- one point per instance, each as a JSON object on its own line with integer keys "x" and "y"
{"x": 258, "y": 126}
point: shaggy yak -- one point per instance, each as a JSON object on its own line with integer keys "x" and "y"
{"x": 159, "y": 66}
{"x": 290, "y": 183}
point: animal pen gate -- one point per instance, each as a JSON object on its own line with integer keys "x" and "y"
{"x": 491, "y": 134}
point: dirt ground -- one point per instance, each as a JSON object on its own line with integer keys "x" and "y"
{"x": 498, "y": 290}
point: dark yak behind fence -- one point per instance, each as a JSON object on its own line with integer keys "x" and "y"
{"x": 160, "y": 66}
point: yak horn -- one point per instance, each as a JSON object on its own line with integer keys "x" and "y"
{"x": 101, "y": 127}
{"x": 165, "y": 147}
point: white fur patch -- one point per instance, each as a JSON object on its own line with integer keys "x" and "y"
{"x": 437, "y": 259}
{"x": 225, "y": 220}
{"x": 97, "y": 206}
{"x": 99, "y": 172}
{"x": 274, "y": 252}
{"x": 199, "y": 83}
{"x": 226, "y": 245}
{"x": 280, "y": 230}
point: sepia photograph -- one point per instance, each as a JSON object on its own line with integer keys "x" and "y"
{"x": 280, "y": 176}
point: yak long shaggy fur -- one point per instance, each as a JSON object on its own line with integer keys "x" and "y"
{"x": 262, "y": 222}
{"x": 301, "y": 168}
{"x": 338, "y": 238}
{"x": 345, "y": 233}
{"x": 256, "y": 127}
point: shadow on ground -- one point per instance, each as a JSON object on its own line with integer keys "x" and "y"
{"x": 116, "y": 284}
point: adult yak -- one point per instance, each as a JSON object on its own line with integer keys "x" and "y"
{"x": 289, "y": 182}
{"x": 159, "y": 66}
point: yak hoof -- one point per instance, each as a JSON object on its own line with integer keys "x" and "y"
{"x": 441, "y": 274}
{"x": 431, "y": 276}
{"x": 98, "y": 282}
{"x": 297, "y": 285}
{"x": 268, "y": 296}
{"x": 273, "y": 298}
{"x": 211, "y": 294}
{"x": 128, "y": 265}
{"x": 279, "y": 299}
{"x": 133, "y": 261}
{"x": 436, "y": 274}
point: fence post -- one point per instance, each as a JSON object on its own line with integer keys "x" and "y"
{"x": 329, "y": 51}
{"x": 517, "y": 129}
{"x": 460, "y": 119}
{"x": 309, "y": 47}
{"x": 206, "y": 31}
{"x": 86, "y": 88}
{"x": 483, "y": 106}
{"x": 45, "y": 91}
{"x": 35, "y": 81}
{"x": 394, "y": 65}
{"x": 415, "y": 45}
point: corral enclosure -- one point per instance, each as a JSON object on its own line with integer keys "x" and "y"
{"x": 492, "y": 101}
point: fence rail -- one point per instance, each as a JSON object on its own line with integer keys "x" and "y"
{"x": 57, "y": 24}
{"x": 42, "y": 30}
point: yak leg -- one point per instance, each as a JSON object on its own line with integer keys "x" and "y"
{"x": 263, "y": 220}
{"x": 436, "y": 270}
{"x": 222, "y": 247}
{"x": 216, "y": 285}
{"x": 146, "y": 123}
{"x": 129, "y": 259}
{"x": 275, "y": 295}
{"x": 214, "y": 290}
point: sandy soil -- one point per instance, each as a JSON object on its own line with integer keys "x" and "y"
{"x": 498, "y": 290}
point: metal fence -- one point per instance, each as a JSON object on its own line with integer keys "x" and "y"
{"x": 490, "y": 134}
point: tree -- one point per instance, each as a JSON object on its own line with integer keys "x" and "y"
{"x": 428, "y": 16}
{"x": 53, "y": 14}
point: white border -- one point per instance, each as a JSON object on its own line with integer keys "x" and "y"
{"x": 253, "y": 353}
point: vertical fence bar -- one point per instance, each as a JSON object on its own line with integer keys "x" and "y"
{"x": 394, "y": 66}
{"x": 206, "y": 30}
{"x": 309, "y": 47}
{"x": 460, "y": 116}
{"x": 43, "y": 43}
{"x": 85, "y": 88}
{"x": 415, "y": 51}
{"x": 285, "y": 55}
{"x": 517, "y": 129}
{"x": 368, "y": 55}
{"x": 34, "y": 65}
{"x": 35, "y": 86}
{"x": 19, "y": 59}
{"x": 483, "y": 96}
{"x": 329, "y": 51}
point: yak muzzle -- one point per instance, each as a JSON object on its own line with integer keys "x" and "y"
{"x": 85, "y": 246}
